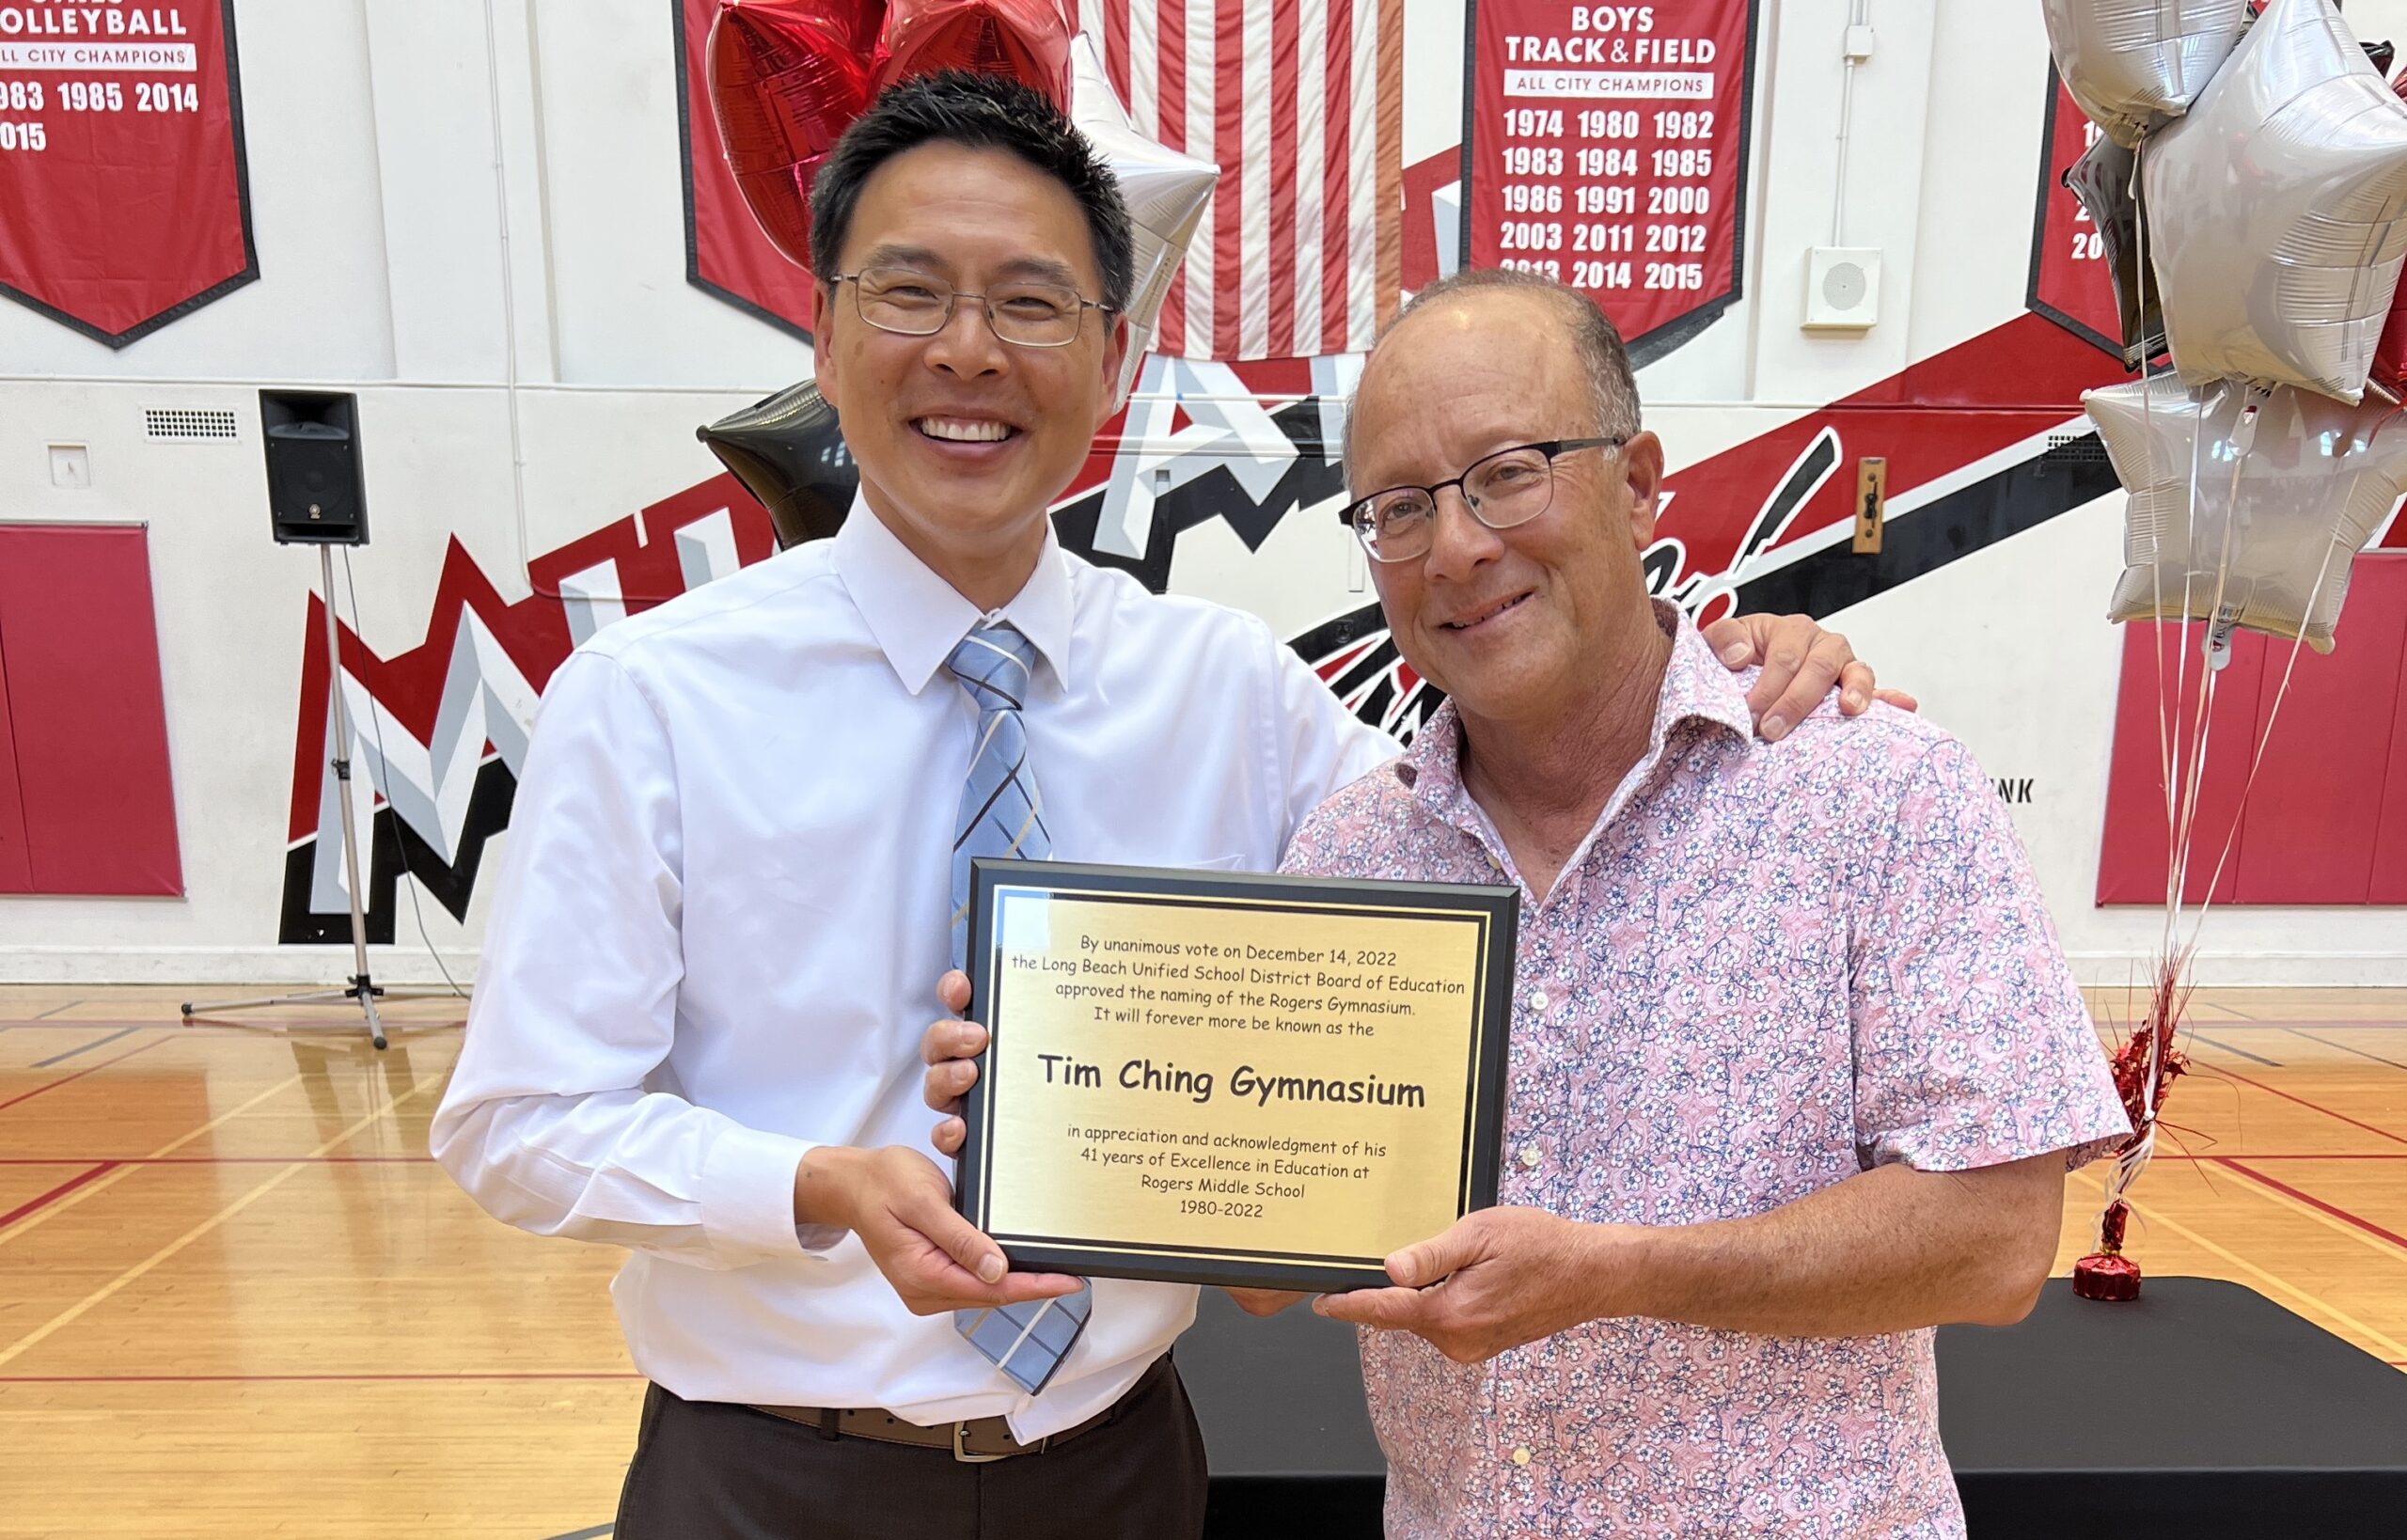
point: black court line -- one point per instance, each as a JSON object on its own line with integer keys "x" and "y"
{"x": 2311, "y": 1038}
{"x": 55, "y": 1009}
{"x": 58, "y": 1058}
{"x": 2253, "y": 1057}
{"x": 593, "y": 1534}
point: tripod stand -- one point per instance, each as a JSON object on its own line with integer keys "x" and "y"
{"x": 362, "y": 988}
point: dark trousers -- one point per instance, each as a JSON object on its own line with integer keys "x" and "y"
{"x": 707, "y": 1470}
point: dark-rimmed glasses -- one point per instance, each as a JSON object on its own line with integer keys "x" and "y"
{"x": 1508, "y": 487}
{"x": 1026, "y": 314}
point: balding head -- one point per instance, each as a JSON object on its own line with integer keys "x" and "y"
{"x": 1578, "y": 324}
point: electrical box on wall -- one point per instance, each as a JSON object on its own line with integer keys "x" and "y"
{"x": 1842, "y": 288}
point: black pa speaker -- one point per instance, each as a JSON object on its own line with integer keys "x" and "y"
{"x": 315, "y": 493}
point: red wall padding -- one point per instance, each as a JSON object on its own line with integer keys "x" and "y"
{"x": 79, "y": 668}
{"x": 2326, "y": 819}
{"x": 16, "y": 870}
{"x": 2389, "y": 881}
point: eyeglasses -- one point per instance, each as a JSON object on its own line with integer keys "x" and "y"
{"x": 1508, "y": 487}
{"x": 1026, "y": 315}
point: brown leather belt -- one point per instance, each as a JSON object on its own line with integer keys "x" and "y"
{"x": 975, "y": 1442}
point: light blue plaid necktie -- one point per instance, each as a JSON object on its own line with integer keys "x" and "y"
{"x": 1003, "y": 814}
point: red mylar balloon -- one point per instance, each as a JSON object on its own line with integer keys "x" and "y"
{"x": 2390, "y": 354}
{"x": 787, "y": 78}
{"x": 1027, "y": 40}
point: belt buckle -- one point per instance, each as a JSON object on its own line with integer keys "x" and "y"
{"x": 961, "y": 1452}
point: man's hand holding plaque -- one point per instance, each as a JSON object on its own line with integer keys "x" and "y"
{"x": 949, "y": 1050}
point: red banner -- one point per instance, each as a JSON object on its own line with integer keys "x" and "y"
{"x": 1606, "y": 146}
{"x": 124, "y": 202}
{"x": 725, "y": 251}
{"x": 2069, "y": 284}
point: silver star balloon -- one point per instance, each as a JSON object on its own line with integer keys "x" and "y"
{"x": 2132, "y": 64}
{"x": 2246, "y": 503}
{"x": 2277, "y": 209}
{"x": 1167, "y": 192}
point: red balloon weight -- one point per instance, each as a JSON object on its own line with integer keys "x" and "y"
{"x": 1026, "y": 39}
{"x": 2101, "y": 1276}
{"x": 787, "y": 77}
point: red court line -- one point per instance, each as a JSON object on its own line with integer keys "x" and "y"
{"x": 237, "y": 1027}
{"x": 2313, "y": 1201}
{"x": 241, "y": 1028}
{"x": 55, "y": 1193}
{"x": 286, "y": 1160}
{"x": 2231, "y": 1074}
{"x": 288, "y": 1379}
{"x": 2244, "y": 1154}
{"x": 95, "y": 1069}
{"x": 2258, "y": 1024}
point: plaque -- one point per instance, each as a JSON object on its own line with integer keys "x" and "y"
{"x": 1205, "y": 1078}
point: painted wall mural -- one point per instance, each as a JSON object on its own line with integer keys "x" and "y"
{"x": 440, "y": 730}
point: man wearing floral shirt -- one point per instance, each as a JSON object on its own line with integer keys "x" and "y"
{"x": 1797, "y": 1065}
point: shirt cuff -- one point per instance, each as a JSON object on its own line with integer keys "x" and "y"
{"x": 747, "y": 1197}
{"x": 1973, "y": 1145}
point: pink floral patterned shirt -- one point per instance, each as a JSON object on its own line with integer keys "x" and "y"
{"x": 1769, "y": 967}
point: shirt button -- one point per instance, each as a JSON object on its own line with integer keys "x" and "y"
{"x": 1537, "y": 999}
{"x": 1530, "y": 1156}
{"x": 1521, "y": 1455}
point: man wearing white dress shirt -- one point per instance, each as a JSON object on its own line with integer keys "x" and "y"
{"x": 729, "y": 884}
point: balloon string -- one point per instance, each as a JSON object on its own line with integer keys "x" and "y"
{"x": 2264, "y": 735}
{"x": 2218, "y": 640}
{"x": 2186, "y": 748}
{"x": 2135, "y": 1156}
{"x": 2166, "y": 768}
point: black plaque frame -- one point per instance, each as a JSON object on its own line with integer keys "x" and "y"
{"x": 1496, "y": 908}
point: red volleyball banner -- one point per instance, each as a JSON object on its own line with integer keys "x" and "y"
{"x": 2069, "y": 284}
{"x": 124, "y": 201}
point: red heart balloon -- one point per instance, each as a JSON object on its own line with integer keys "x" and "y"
{"x": 787, "y": 77}
{"x": 1026, "y": 39}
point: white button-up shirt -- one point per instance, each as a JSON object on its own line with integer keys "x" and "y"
{"x": 723, "y": 911}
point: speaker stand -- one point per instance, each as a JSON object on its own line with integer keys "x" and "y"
{"x": 362, "y": 988}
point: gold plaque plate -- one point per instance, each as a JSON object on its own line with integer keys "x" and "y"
{"x": 1266, "y": 1082}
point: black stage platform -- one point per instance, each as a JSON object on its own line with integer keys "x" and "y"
{"x": 2201, "y": 1410}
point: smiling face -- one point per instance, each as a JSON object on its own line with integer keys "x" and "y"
{"x": 963, "y": 439}
{"x": 1514, "y": 624}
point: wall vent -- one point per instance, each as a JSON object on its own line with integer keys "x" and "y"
{"x": 189, "y": 422}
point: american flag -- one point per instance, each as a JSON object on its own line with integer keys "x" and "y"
{"x": 1301, "y": 103}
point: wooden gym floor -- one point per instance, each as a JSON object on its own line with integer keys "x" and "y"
{"x": 237, "y": 1299}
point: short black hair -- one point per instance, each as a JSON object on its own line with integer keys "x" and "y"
{"x": 984, "y": 112}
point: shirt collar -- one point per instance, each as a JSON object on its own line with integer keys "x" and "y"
{"x": 1696, "y": 687}
{"x": 917, "y": 618}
